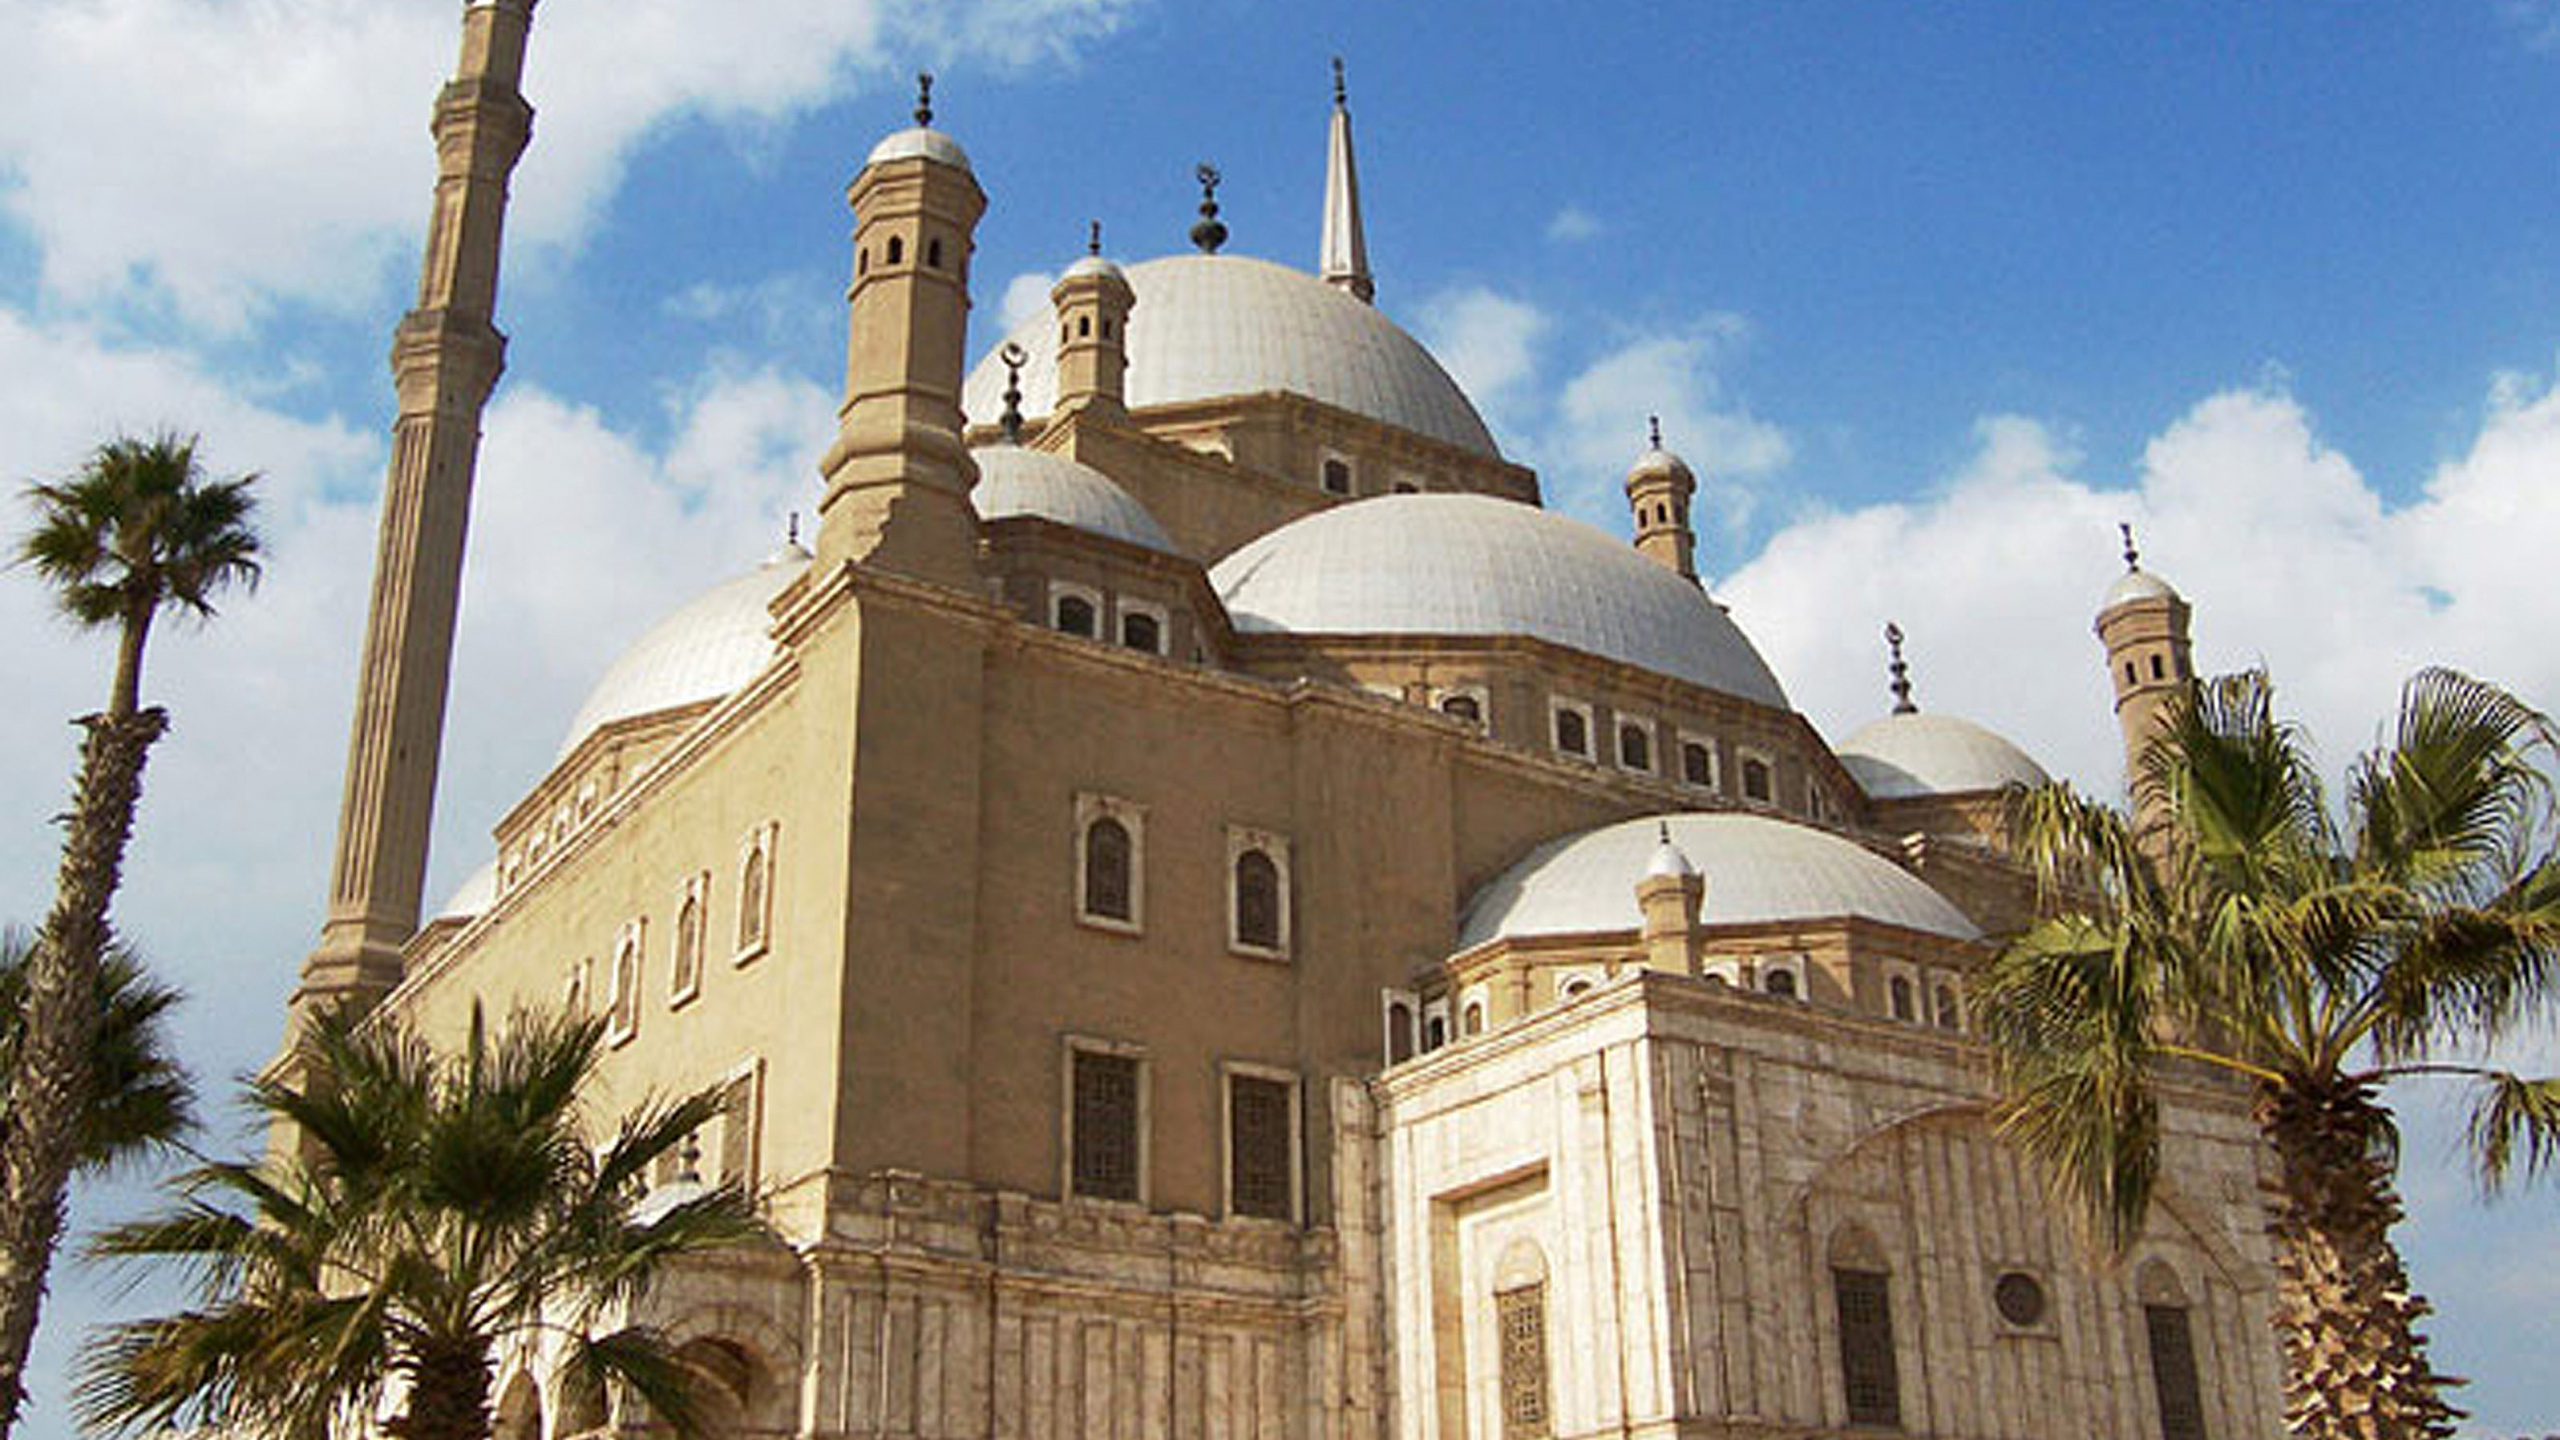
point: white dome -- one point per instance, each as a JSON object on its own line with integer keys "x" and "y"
{"x": 710, "y": 646}
{"x": 1214, "y": 325}
{"x": 1757, "y": 869}
{"x": 1475, "y": 565}
{"x": 2136, "y": 584}
{"x": 919, "y": 143}
{"x": 473, "y": 897}
{"x": 1015, "y": 481}
{"x": 1923, "y": 754}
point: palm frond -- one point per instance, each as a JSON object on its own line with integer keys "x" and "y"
{"x": 2515, "y": 1123}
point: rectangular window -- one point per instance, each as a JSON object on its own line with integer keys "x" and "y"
{"x": 2173, "y": 1372}
{"x": 1867, "y": 1375}
{"x": 739, "y": 1122}
{"x": 1103, "y": 1129}
{"x": 1572, "y": 721}
{"x": 1521, "y": 1316}
{"x": 1261, "y": 1147}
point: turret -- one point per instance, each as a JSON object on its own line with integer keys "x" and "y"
{"x": 2143, "y": 625}
{"x": 445, "y": 359}
{"x": 1093, "y": 300}
{"x": 1658, "y": 489}
{"x": 1342, "y": 257}
{"x": 1670, "y": 896}
{"x": 897, "y": 476}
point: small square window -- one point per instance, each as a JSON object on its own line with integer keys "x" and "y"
{"x": 1336, "y": 475}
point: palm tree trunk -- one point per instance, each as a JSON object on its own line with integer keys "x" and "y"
{"x": 124, "y": 697}
{"x": 2356, "y": 1365}
{"x": 448, "y": 1396}
{"x": 48, "y": 1093}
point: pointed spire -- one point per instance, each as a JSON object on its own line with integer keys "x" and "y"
{"x": 2132, "y": 557}
{"x": 791, "y": 530}
{"x": 1093, "y": 238}
{"x": 1343, "y": 257}
{"x": 1014, "y": 358}
{"x": 1901, "y": 672}
{"x": 1208, "y": 233}
{"x": 1653, "y": 431}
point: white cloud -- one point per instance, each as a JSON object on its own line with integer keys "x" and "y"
{"x": 1599, "y": 424}
{"x": 2536, "y": 21}
{"x": 1026, "y": 297}
{"x": 168, "y": 148}
{"x": 1488, "y": 343}
{"x": 1573, "y": 225}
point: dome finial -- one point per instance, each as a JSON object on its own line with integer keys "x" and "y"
{"x": 1901, "y": 672}
{"x": 1014, "y": 358}
{"x": 1093, "y": 237}
{"x": 2132, "y": 557}
{"x": 1208, "y": 234}
{"x": 1341, "y": 92}
{"x": 791, "y": 529}
{"x": 924, "y": 98}
{"x": 1653, "y": 431}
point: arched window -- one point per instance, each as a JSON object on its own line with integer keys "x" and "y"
{"x": 1779, "y": 981}
{"x": 1084, "y": 326}
{"x": 1473, "y": 1022}
{"x": 1257, "y": 901}
{"x": 624, "y": 1019}
{"x": 1399, "y": 1033}
{"x": 684, "y": 970}
{"x": 1904, "y": 1002}
{"x": 1107, "y": 857}
{"x": 1755, "y": 779}
{"x": 1142, "y": 631}
{"x": 1337, "y": 475}
{"x": 1697, "y": 764}
{"x": 1576, "y": 988}
{"x": 1435, "y": 1032}
{"x": 897, "y": 249}
{"x": 1573, "y": 731}
{"x": 1076, "y": 616}
{"x": 2158, "y": 670}
{"x": 933, "y": 253}
{"x": 2176, "y": 1384}
{"x": 751, "y": 898}
{"x": 1635, "y": 748}
{"x": 862, "y": 261}
{"x": 1949, "y": 1018}
{"x": 1463, "y": 706}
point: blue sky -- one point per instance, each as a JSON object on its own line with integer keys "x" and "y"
{"x": 1933, "y": 295}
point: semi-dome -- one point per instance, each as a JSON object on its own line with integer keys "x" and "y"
{"x": 709, "y": 646}
{"x": 1015, "y": 481}
{"x": 1757, "y": 869}
{"x": 1921, "y": 753}
{"x": 1206, "y": 326}
{"x": 1475, "y": 565}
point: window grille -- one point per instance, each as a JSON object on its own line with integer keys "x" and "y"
{"x": 1259, "y": 1140}
{"x": 1521, "y": 1316}
{"x": 1106, "y": 1125}
{"x": 1257, "y": 901}
{"x": 2173, "y": 1372}
{"x": 1867, "y": 1376}
{"x": 1106, "y": 870}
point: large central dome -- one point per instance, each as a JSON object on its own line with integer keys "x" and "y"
{"x": 1475, "y": 565}
{"x": 1207, "y": 326}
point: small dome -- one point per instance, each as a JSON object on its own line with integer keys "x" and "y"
{"x": 1901, "y": 756}
{"x": 1475, "y": 565}
{"x": 1658, "y": 463}
{"x": 1669, "y": 861}
{"x": 473, "y": 897}
{"x": 1015, "y": 481}
{"x": 1757, "y": 868}
{"x": 1207, "y": 326}
{"x": 710, "y": 646}
{"x": 922, "y": 143}
{"x": 2136, "y": 584}
{"x": 1093, "y": 265}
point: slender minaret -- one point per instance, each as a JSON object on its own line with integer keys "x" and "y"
{"x": 445, "y": 359}
{"x": 1093, "y": 301}
{"x": 2143, "y": 625}
{"x": 897, "y": 476}
{"x": 1658, "y": 489}
{"x": 1343, "y": 259}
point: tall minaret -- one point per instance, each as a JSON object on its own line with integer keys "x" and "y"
{"x": 445, "y": 359}
{"x": 1343, "y": 259}
{"x": 2143, "y": 625}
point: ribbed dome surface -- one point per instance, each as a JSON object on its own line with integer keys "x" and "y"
{"x": 2136, "y": 584}
{"x": 1214, "y": 325}
{"x": 1757, "y": 869}
{"x": 1475, "y": 565}
{"x": 1906, "y": 755}
{"x": 710, "y": 646}
{"x": 1015, "y": 481}
{"x": 919, "y": 142}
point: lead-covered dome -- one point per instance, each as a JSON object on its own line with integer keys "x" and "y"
{"x": 1901, "y": 756}
{"x": 1475, "y": 565}
{"x": 1206, "y": 326}
{"x": 1758, "y": 869}
{"x": 1015, "y": 481}
{"x": 709, "y": 646}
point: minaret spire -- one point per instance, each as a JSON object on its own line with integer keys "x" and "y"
{"x": 1901, "y": 671}
{"x": 445, "y": 359}
{"x": 1343, "y": 258}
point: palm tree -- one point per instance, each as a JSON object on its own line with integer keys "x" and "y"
{"x": 437, "y": 1207}
{"x": 141, "y": 1101}
{"x": 138, "y": 530}
{"x": 2311, "y": 958}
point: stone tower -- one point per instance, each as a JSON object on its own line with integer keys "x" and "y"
{"x": 445, "y": 359}
{"x": 1343, "y": 254}
{"x": 897, "y": 475}
{"x": 1658, "y": 489}
{"x": 2143, "y": 625}
{"x": 1093, "y": 301}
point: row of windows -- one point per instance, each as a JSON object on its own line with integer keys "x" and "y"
{"x": 894, "y": 252}
{"x": 1080, "y": 610}
{"x": 690, "y": 934}
{"x": 1695, "y": 763}
{"x": 1107, "y": 1131}
{"x": 1111, "y": 877}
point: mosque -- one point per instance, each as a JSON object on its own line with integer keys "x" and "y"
{"x": 1216, "y": 915}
